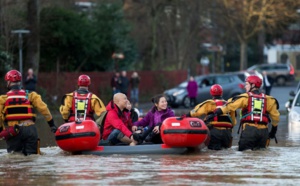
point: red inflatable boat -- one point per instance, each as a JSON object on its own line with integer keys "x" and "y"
{"x": 186, "y": 132}
{"x": 178, "y": 136}
{"x": 78, "y": 136}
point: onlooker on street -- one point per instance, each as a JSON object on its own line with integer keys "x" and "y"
{"x": 30, "y": 81}
{"x": 124, "y": 83}
{"x": 268, "y": 83}
{"x": 134, "y": 82}
{"x": 192, "y": 89}
{"x": 115, "y": 83}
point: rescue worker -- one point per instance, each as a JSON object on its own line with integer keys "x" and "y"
{"x": 81, "y": 104}
{"x": 220, "y": 127}
{"x": 17, "y": 111}
{"x": 257, "y": 110}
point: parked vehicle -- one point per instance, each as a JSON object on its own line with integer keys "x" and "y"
{"x": 281, "y": 73}
{"x": 244, "y": 74}
{"x": 288, "y": 104}
{"x": 231, "y": 84}
{"x": 294, "y": 111}
{"x": 293, "y": 116}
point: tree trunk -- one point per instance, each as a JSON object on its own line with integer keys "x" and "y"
{"x": 33, "y": 42}
{"x": 261, "y": 44}
{"x": 244, "y": 56}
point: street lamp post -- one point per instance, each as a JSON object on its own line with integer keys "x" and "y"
{"x": 20, "y": 40}
{"x": 116, "y": 57}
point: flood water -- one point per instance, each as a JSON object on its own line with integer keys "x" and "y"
{"x": 277, "y": 165}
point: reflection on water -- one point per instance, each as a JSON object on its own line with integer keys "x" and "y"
{"x": 274, "y": 166}
{"x": 277, "y": 165}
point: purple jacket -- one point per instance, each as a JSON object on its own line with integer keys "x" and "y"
{"x": 154, "y": 117}
{"x": 192, "y": 89}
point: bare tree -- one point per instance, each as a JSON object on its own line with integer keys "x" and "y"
{"x": 10, "y": 19}
{"x": 33, "y": 42}
{"x": 247, "y": 18}
{"x": 168, "y": 33}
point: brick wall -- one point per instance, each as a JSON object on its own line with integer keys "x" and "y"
{"x": 152, "y": 82}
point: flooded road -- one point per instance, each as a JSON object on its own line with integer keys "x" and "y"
{"x": 277, "y": 165}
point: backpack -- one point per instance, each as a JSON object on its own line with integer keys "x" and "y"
{"x": 100, "y": 121}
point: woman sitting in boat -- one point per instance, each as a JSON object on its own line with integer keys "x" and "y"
{"x": 153, "y": 120}
{"x": 116, "y": 129}
{"x": 130, "y": 114}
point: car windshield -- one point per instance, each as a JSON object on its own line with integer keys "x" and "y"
{"x": 254, "y": 67}
{"x": 297, "y": 102}
{"x": 183, "y": 84}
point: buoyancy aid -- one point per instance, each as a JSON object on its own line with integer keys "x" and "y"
{"x": 81, "y": 107}
{"x": 18, "y": 107}
{"x": 255, "y": 112}
{"x": 223, "y": 120}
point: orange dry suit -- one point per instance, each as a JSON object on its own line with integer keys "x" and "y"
{"x": 220, "y": 127}
{"x": 81, "y": 104}
{"x": 258, "y": 110}
{"x": 17, "y": 109}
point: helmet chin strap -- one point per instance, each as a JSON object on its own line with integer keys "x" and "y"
{"x": 251, "y": 88}
{"x": 8, "y": 85}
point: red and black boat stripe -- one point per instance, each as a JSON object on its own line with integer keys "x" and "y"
{"x": 76, "y": 135}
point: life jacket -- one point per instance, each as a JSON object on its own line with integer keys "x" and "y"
{"x": 255, "y": 112}
{"x": 18, "y": 107}
{"x": 81, "y": 107}
{"x": 223, "y": 120}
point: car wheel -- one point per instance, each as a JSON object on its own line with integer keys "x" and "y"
{"x": 280, "y": 81}
{"x": 186, "y": 102}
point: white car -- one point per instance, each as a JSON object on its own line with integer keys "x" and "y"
{"x": 294, "y": 117}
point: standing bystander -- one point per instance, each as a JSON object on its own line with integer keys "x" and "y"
{"x": 115, "y": 85}
{"x": 124, "y": 83}
{"x": 30, "y": 81}
{"x": 134, "y": 82}
{"x": 192, "y": 89}
{"x": 268, "y": 83}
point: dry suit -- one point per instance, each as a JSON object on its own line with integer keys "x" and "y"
{"x": 17, "y": 109}
{"x": 81, "y": 103}
{"x": 257, "y": 110}
{"x": 220, "y": 127}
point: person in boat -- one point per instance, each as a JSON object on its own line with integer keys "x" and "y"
{"x": 220, "y": 127}
{"x": 153, "y": 120}
{"x": 257, "y": 111}
{"x": 130, "y": 114}
{"x": 17, "y": 110}
{"x": 116, "y": 127}
{"x": 81, "y": 104}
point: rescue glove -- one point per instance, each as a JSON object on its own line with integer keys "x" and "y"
{"x": 209, "y": 117}
{"x": 52, "y": 126}
{"x": 184, "y": 116}
{"x": 273, "y": 132}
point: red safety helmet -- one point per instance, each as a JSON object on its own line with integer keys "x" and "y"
{"x": 216, "y": 90}
{"x": 253, "y": 79}
{"x": 84, "y": 80}
{"x": 13, "y": 76}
